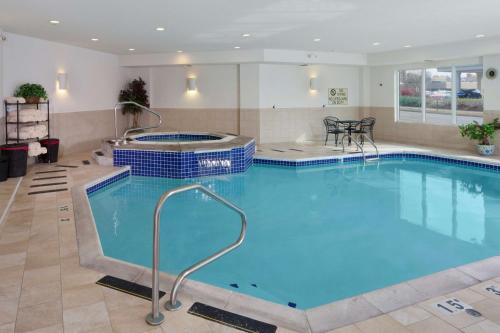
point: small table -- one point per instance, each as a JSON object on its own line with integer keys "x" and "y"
{"x": 349, "y": 125}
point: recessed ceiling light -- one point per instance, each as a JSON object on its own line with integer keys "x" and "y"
{"x": 316, "y": 39}
{"x": 376, "y": 43}
{"x": 54, "y": 22}
{"x": 179, "y": 51}
{"x": 131, "y": 49}
{"x": 480, "y": 36}
{"x": 160, "y": 29}
{"x": 245, "y": 35}
{"x": 407, "y": 46}
{"x": 94, "y": 39}
{"x": 237, "y": 47}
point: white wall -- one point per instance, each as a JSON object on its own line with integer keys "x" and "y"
{"x": 491, "y": 88}
{"x": 287, "y": 86}
{"x": 217, "y": 85}
{"x": 94, "y": 78}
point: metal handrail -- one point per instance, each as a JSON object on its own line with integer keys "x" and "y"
{"x": 156, "y": 317}
{"x": 359, "y": 145}
{"x": 123, "y": 138}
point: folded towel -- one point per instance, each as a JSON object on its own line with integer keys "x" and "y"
{"x": 12, "y": 99}
{"x": 35, "y": 149}
{"x": 27, "y": 115}
{"x": 27, "y": 132}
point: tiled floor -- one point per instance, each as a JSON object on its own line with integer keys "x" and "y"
{"x": 44, "y": 289}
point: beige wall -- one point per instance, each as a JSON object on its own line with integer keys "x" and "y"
{"x": 299, "y": 124}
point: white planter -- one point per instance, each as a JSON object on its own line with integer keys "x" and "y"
{"x": 486, "y": 150}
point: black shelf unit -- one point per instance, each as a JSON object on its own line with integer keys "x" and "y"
{"x": 20, "y": 123}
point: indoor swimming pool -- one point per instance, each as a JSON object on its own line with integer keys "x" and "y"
{"x": 315, "y": 234}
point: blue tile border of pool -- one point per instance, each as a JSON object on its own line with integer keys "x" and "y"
{"x": 303, "y": 163}
{"x": 347, "y": 159}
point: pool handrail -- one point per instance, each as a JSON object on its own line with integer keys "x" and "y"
{"x": 156, "y": 317}
{"x": 123, "y": 139}
{"x": 365, "y": 137}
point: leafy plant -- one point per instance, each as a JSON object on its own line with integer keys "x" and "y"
{"x": 135, "y": 92}
{"x": 29, "y": 90}
{"x": 484, "y": 134}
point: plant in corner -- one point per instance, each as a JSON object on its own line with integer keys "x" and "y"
{"x": 135, "y": 92}
{"x": 484, "y": 134}
{"x": 31, "y": 92}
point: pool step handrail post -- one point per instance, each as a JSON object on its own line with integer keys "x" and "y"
{"x": 123, "y": 139}
{"x": 360, "y": 147}
{"x": 156, "y": 317}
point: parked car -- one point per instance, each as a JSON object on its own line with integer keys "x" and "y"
{"x": 469, "y": 93}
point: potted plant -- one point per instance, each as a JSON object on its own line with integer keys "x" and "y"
{"x": 31, "y": 92}
{"x": 484, "y": 134}
{"x": 135, "y": 92}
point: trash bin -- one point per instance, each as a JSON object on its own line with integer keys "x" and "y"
{"x": 52, "y": 146}
{"x": 17, "y": 154}
{"x": 4, "y": 168}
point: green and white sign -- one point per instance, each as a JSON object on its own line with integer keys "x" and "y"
{"x": 338, "y": 96}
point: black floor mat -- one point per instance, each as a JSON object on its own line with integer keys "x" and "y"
{"x": 230, "y": 319}
{"x": 127, "y": 287}
{"x": 48, "y": 191}
{"x": 40, "y": 172}
{"x": 86, "y": 162}
{"x": 66, "y": 166}
{"x": 54, "y": 177}
{"x": 49, "y": 184}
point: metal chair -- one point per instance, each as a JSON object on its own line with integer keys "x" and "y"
{"x": 332, "y": 127}
{"x": 366, "y": 126}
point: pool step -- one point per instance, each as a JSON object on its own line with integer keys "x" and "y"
{"x": 102, "y": 158}
{"x": 230, "y": 319}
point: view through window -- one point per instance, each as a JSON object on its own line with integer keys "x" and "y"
{"x": 442, "y": 95}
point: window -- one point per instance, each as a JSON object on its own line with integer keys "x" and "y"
{"x": 442, "y": 95}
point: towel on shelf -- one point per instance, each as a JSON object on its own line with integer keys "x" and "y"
{"x": 27, "y": 132}
{"x": 27, "y": 115}
{"x": 12, "y": 99}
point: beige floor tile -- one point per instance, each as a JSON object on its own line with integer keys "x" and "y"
{"x": 10, "y": 282}
{"x": 8, "y": 310}
{"x": 12, "y": 259}
{"x": 459, "y": 319}
{"x": 42, "y": 275}
{"x": 182, "y": 322}
{"x": 485, "y": 326}
{"x": 7, "y": 328}
{"x": 432, "y": 325}
{"x": 38, "y": 316}
{"x": 409, "y": 315}
{"x": 84, "y": 295}
{"x": 130, "y": 319}
{"x": 490, "y": 309}
{"x": 468, "y": 296}
{"x": 42, "y": 293}
{"x": 381, "y": 324}
{"x": 86, "y": 318}
{"x": 51, "y": 329}
{"x": 116, "y": 299}
{"x": 347, "y": 329}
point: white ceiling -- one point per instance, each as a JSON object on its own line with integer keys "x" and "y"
{"x": 203, "y": 25}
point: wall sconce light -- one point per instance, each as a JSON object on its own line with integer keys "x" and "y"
{"x": 191, "y": 83}
{"x": 313, "y": 84}
{"x": 62, "y": 80}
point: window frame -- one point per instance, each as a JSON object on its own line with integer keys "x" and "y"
{"x": 423, "y": 70}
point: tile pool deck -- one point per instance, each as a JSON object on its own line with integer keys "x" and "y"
{"x": 43, "y": 288}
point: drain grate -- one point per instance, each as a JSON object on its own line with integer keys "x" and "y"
{"x": 66, "y": 166}
{"x": 294, "y": 149}
{"x": 127, "y": 287}
{"x": 281, "y": 151}
{"x": 230, "y": 319}
{"x": 86, "y": 162}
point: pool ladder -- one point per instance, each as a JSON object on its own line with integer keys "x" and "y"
{"x": 156, "y": 317}
{"x": 360, "y": 146}
{"x": 123, "y": 140}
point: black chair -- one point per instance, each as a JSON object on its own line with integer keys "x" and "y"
{"x": 332, "y": 127}
{"x": 366, "y": 126}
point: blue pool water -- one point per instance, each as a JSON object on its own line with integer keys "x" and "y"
{"x": 315, "y": 235}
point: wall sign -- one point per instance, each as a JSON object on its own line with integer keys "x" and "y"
{"x": 338, "y": 96}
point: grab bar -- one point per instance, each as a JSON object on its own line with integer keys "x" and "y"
{"x": 359, "y": 145}
{"x": 156, "y": 317}
{"x": 123, "y": 138}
